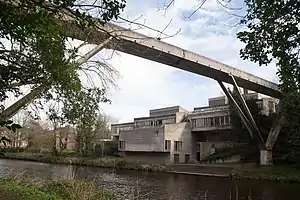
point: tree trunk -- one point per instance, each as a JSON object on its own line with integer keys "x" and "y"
{"x": 13, "y": 109}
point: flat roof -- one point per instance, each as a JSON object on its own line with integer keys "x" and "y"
{"x": 154, "y": 117}
{"x": 121, "y": 124}
{"x": 217, "y": 98}
{"x": 165, "y": 108}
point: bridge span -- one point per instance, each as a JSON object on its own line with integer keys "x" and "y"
{"x": 150, "y": 48}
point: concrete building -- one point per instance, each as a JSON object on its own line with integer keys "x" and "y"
{"x": 175, "y": 135}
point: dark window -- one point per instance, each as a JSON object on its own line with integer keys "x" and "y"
{"x": 187, "y": 158}
{"x": 216, "y": 119}
{"x": 227, "y": 122}
{"x": 167, "y": 144}
{"x": 211, "y": 121}
{"x": 121, "y": 144}
{"x": 194, "y": 123}
{"x": 176, "y": 158}
{"x": 222, "y": 120}
{"x": 178, "y": 145}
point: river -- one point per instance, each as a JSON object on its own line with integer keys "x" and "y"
{"x": 159, "y": 186}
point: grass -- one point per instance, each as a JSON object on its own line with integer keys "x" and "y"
{"x": 11, "y": 190}
{"x": 38, "y": 189}
{"x": 106, "y": 162}
{"x": 275, "y": 173}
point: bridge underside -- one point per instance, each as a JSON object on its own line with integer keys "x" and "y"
{"x": 155, "y": 50}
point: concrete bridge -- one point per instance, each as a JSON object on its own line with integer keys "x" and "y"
{"x": 140, "y": 45}
{"x": 149, "y": 48}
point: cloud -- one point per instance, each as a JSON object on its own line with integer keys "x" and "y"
{"x": 145, "y": 85}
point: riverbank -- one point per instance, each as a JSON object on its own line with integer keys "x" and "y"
{"x": 274, "y": 173}
{"x": 105, "y": 162}
{"x": 39, "y": 189}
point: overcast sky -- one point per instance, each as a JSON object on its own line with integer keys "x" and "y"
{"x": 145, "y": 85}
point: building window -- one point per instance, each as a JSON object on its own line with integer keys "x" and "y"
{"x": 167, "y": 144}
{"x": 271, "y": 106}
{"x": 121, "y": 144}
{"x": 159, "y": 122}
{"x": 216, "y": 119}
{"x": 178, "y": 145}
{"x": 227, "y": 120}
{"x": 194, "y": 123}
{"x": 211, "y": 121}
{"x": 222, "y": 120}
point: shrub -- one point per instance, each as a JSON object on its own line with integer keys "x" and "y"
{"x": 79, "y": 190}
{"x": 13, "y": 190}
{"x": 43, "y": 189}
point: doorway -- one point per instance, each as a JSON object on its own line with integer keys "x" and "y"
{"x": 187, "y": 158}
{"x": 176, "y": 158}
{"x": 198, "y": 156}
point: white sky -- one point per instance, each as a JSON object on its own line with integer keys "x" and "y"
{"x": 145, "y": 85}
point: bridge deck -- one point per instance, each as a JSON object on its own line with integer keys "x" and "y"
{"x": 153, "y": 49}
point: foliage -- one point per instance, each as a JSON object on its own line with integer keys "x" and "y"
{"x": 81, "y": 190}
{"x": 10, "y": 126}
{"x": 34, "y": 51}
{"x": 273, "y": 34}
{"x": 241, "y": 134}
{"x": 106, "y": 162}
{"x": 12, "y": 190}
{"x": 276, "y": 173}
{"x": 25, "y": 188}
{"x": 90, "y": 124}
{"x": 287, "y": 147}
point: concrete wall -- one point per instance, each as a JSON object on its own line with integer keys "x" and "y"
{"x": 145, "y": 139}
{"x": 217, "y": 101}
{"x": 116, "y": 128}
{"x": 180, "y": 116}
{"x": 164, "y": 111}
{"x": 268, "y": 106}
{"x": 147, "y": 157}
{"x": 180, "y": 132}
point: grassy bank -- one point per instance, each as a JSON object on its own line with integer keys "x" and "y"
{"x": 37, "y": 189}
{"x": 275, "y": 173}
{"x": 106, "y": 162}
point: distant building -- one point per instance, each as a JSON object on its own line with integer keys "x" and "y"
{"x": 65, "y": 138}
{"x": 175, "y": 135}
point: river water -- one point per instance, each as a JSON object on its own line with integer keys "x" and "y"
{"x": 161, "y": 186}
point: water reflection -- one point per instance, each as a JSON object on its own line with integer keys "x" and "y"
{"x": 160, "y": 186}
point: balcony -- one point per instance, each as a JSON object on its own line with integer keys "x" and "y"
{"x": 211, "y": 123}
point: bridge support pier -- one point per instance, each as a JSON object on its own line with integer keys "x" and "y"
{"x": 266, "y": 157}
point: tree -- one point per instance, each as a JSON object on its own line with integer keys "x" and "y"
{"x": 239, "y": 132}
{"x": 56, "y": 122}
{"x": 34, "y": 52}
{"x": 273, "y": 34}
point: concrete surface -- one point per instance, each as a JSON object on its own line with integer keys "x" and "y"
{"x": 140, "y": 45}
